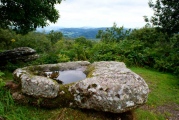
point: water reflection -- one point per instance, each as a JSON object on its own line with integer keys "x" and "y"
{"x": 69, "y": 76}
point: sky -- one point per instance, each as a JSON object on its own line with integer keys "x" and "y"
{"x": 102, "y": 13}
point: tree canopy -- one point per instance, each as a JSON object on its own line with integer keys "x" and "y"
{"x": 26, "y": 15}
{"x": 166, "y": 15}
{"x": 113, "y": 34}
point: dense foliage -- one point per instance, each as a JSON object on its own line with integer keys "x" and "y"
{"x": 145, "y": 47}
{"x": 26, "y": 15}
{"x": 113, "y": 34}
{"x": 166, "y": 15}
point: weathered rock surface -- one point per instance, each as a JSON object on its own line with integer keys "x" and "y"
{"x": 109, "y": 87}
{"x": 18, "y": 54}
{"x": 40, "y": 86}
{"x": 112, "y": 88}
{"x": 37, "y": 86}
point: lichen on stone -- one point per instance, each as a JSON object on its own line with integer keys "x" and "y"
{"x": 109, "y": 87}
{"x": 112, "y": 88}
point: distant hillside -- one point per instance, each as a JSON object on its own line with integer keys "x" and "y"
{"x": 89, "y": 33}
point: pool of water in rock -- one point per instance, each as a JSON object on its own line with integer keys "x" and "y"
{"x": 69, "y": 76}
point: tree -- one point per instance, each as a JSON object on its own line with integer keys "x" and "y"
{"x": 55, "y": 36}
{"x": 84, "y": 42}
{"x": 113, "y": 34}
{"x": 166, "y": 15}
{"x": 26, "y": 15}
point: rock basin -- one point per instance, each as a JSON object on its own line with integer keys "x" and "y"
{"x": 109, "y": 87}
{"x": 69, "y": 76}
{"x": 33, "y": 81}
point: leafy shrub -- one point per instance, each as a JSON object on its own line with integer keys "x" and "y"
{"x": 7, "y": 38}
{"x": 62, "y": 45}
{"x": 143, "y": 47}
{"x": 55, "y": 36}
{"x": 104, "y": 51}
{"x": 84, "y": 42}
{"x": 37, "y": 41}
{"x": 63, "y": 58}
{"x": 46, "y": 58}
{"x": 77, "y": 49}
{"x": 148, "y": 35}
{"x": 113, "y": 34}
{"x": 158, "y": 50}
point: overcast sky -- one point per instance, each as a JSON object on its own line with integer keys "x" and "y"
{"x": 102, "y": 13}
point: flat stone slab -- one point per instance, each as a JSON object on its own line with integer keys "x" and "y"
{"x": 112, "y": 88}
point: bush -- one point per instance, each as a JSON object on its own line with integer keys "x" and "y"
{"x": 113, "y": 34}
{"x": 104, "y": 52}
{"x": 143, "y": 47}
{"x": 46, "y": 58}
{"x": 63, "y": 58}
{"x": 158, "y": 50}
{"x": 7, "y": 38}
{"x": 37, "y": 41}
{"x": 148, "y": 35}
{"x": 55, "y": 36}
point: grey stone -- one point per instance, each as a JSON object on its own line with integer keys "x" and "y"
{"x": 112, "y": 88}
{"x": 18, "y": 54}
{"x": 39, "y": 86}
{"x": 109, "y": 86}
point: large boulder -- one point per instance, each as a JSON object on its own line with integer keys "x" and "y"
{"x": 112, "y": 88}
{"x": 109, "y": 87}
{"x": 18, "y": 54}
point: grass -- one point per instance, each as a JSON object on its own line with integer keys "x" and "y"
{"x": 164, "y": 90}
{"x": 164, "y": 87}
{"x": 148, "y": 115}
{"x": 13, "y": 111}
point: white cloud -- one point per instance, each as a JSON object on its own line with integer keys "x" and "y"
{"x": 102, "y": 13}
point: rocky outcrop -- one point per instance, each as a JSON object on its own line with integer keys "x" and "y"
{"x": 18, "y": 54}
{"x": 109, "y": 87}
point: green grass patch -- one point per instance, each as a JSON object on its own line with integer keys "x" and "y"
{"x": 148, "y": 115}
{"x": 164, "y": 90}
{"x": 163, "y": 87}
{"x": 12, "y": 111}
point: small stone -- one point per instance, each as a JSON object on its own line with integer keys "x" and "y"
{"x": 71, "y": 104}
{"x": 62, "y": 92}
{"x": 17, "y": 96}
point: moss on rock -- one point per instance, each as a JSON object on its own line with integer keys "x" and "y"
{"x": 89, "y": 71}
